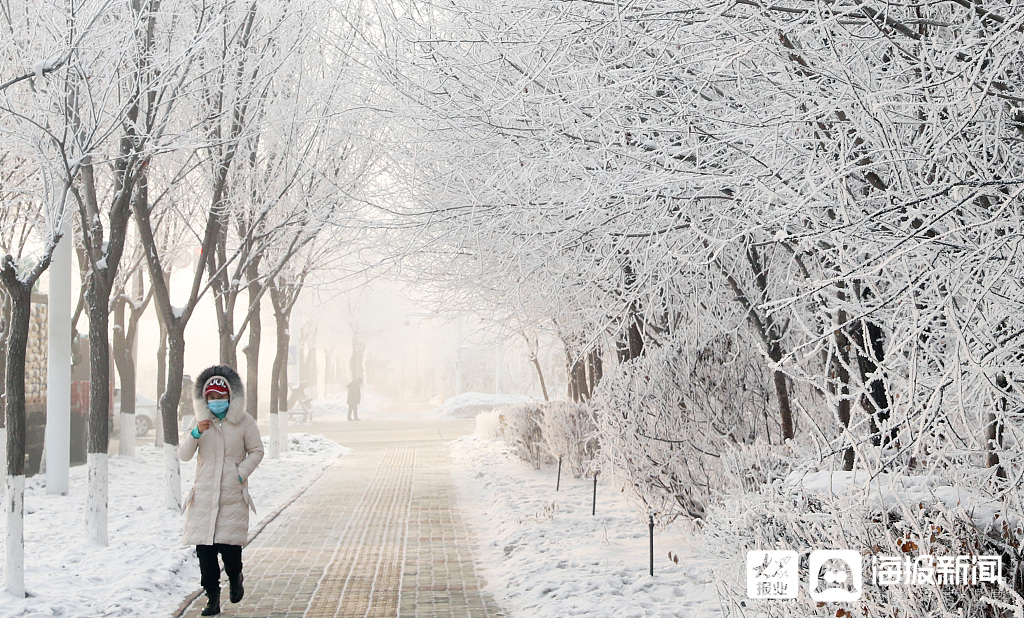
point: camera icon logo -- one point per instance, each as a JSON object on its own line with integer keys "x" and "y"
{"x": 835, "y": 575}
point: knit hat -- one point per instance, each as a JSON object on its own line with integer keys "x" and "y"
{"x": 216, "y": 384}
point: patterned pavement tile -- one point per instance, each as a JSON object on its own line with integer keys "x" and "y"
{"x": 378, "y": 535}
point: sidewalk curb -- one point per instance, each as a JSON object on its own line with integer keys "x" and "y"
{"x": 178, "y": 613}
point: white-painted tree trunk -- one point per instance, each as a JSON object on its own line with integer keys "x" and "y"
{"x": 96, "y": 500}
{"x": 3, "y": 457}
{"x": 14, "y": 562}
{"x": 275, "y": 429}
{"x": 172, "y": 478}
{"x": 126, "y": 446}
{"x": 58, "y": 369}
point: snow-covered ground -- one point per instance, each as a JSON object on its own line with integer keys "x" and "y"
{"x": 145, "y": 570}
{"x": 545, "y": 555}
{"x": 468, "y": 405}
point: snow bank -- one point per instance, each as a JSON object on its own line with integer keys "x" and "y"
{"x": 544, "y": 555}
{"x": 891, "y": 490}
{"x": 315, "y": 444}
{"x": 144, "y": 571}
{"x": 468, "y": 405}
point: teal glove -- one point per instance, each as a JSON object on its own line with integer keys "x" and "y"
{"x": 196, "y": 433}
{"x": 240, "y": 480}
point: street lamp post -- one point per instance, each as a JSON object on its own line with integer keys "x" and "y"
{"x": 58, "y": 382}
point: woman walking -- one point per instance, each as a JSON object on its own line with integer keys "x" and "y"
{"x": 217, "y": 507}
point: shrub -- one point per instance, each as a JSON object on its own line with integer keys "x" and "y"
{"x": 667, "y": 420}
{"x": 521, "y": 428}
{"x": 488, "y": 425}
{"x": 569, "y": 430}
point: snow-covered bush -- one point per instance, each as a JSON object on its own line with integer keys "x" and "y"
{"x": 521, "y": 428}
{"x": 667, "y": 419}
{"x": 488, "y": 425}
{"x": 885, "y": 516}
{"x": 468, "y": 405}
{"x": 569, "y": 430}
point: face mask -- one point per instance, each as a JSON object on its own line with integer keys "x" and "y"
{"x": 219, "y": 407}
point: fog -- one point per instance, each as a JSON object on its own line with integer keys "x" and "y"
{"x": 412, "y": 353}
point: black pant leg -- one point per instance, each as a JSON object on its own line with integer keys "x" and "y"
{"x": 209, "y": 569}
{"x": 232, "y": 555}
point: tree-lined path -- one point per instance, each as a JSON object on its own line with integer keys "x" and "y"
{"x": 379, "y": 534}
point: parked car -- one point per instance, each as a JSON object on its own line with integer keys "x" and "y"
{"x": 146, "y": 413}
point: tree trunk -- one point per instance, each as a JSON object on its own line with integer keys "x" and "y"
{"x": 126, "y": 370}
{"x": 328, "y": 370}
{"x": 169, "y": 414}
{"x": 994, "y": 431}
{"x": 252, "y": 351}
{"x": 840, "y": 387}
{"x": 875, "y": 401}
{"x": 768, "y": 331}
{"x": 161, "y": 368}
{"x": 540, "y": 375}
{"x": 772, "y": 335}
{"x": 279, "y": 386}
{"x": 99, "y": 411}
{"x": 572, "y": 383}
{"x": 595, "y": 370}
{"x": 782, "y": 392}
{"x": 5, "y": 329}
{"x": 226, "y": 335}
{"x": 634, "y": 344}
{"x": 576, "y": 369}
{"x": 309, "y": 370}
{"x": 282, "y": 392}
{"x": 20, "y": 298}
{"x": 356, "y": 360}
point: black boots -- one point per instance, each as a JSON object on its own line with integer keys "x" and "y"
{"x": 213, "y": 603}
{"x": 213, "y": 596}
{"x": 237, "y": 591}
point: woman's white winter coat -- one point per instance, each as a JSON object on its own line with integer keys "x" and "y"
{"x": 217, "y": 508}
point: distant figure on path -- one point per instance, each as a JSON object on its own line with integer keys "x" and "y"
{"x": 217, "y": 508}
{"x": 353, "y": 400}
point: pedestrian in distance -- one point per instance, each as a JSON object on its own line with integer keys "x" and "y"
{"x": 353, "y": 399}
{"x": 217, "y": 508}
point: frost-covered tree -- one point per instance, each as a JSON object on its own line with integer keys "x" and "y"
{"x": 834, "y": 184}
{"x": 43, "y": 154}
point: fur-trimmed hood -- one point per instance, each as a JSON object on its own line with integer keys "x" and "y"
{"x": 236, "y": 408}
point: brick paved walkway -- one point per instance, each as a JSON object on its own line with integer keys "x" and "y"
{"x": 378, "y": 535}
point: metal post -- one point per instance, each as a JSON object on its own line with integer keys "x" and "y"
{"x": 651, "y": 526}
{"x": 558, "y": 483}
{"x": 593, "y": 510}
